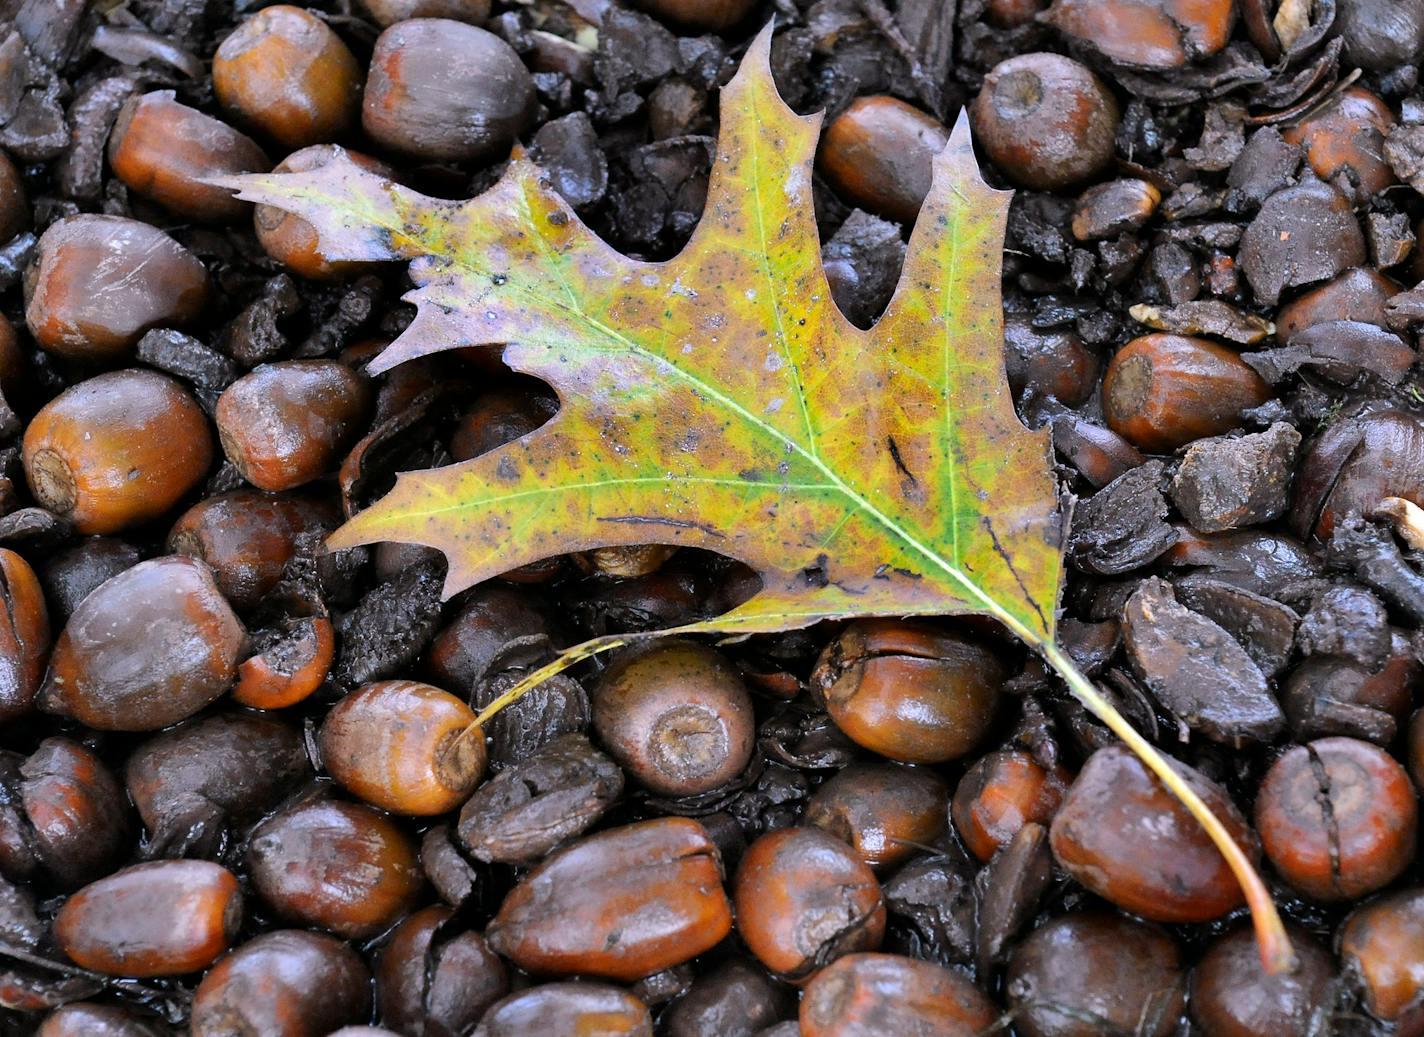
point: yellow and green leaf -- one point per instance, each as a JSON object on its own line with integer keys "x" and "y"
{"x": 720, "y": 399}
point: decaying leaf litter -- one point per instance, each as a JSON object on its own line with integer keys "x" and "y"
{"x": 720, "y": 400}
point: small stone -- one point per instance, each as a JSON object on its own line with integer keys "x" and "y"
{"x": 1225, "y": 483}
{"x": 1302, "y": 234}
{"x": 1390, "y": 239}
{"x": 567, "y": 150}
{"x": 1122, "y": 527}
{"x": 1196, "y": 670}
{"x": 1265, "y": 165}
{"x": 1347, "y": 621}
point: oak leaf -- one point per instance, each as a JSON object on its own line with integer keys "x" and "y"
{"x": 721, "y": 400}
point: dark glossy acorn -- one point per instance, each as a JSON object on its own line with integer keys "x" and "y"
{"x": 70, "y": 576}
{"x": 1046, "y": 121}
{"x": 501, "y": 416}
{"x": 433, "y": 981}
{"x": 150, "y": 647}
{"x": 699, "y": 15}
{"x": 877, "y": 155}
{"x": 338, "y": 866}
{"x": 1359, "y": 294}
{"x": 286, "y": 983}
{"x": 571, "y": 1008}
{"x": 490, "y": 617}
{"x": 1337, "y": 818}
{"x": 24, "y": 635}
{"x": 1001, "y": 793}
{"x": 164, "y": 150}
{"x": 1091, "y": 973}
{"x": 1345, "y": 136}
{"x": 1233, "y": 996}
{"x": 621, "y": 904}
{"x": 1382, "y": 943}
{"x": 72, "y": 820}
{"x": 1380, "y": 34}
{"x": 1122, "y": 835}
{"x": 164, "y": 918}
{"x": 676, "y": 716}
{"x": 80, "y": 1019}
{"x": 1049, "y": 363}
{"x": 1163, "y": 391}
{"x": 247, "y": 538}
{"x": 886, "y": 812}
{"x": 738, "y": 998}
{"x": 443, "y": 91}
{"x": 1352, "y": 465}
{"x": 292, "y": 240}
{"x": 873, "y": 995}
{"x": 100, "y": 282}
{"x": 804, "y": 898}
{"x": 909, "y": 690}
{"x": 116, "y": 450}
{"x": 232, "y": 767}
{"x": 403, "y": 746}
{"x": 285, "y": 73}
{"x": 388, "y": 12}
{"x": 1159, "y": 34}
{"x": 14, "y": 207}
{"x": 285, "y": 424}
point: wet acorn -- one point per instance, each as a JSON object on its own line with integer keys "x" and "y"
{"x": 570, "y": 1008}
{"x": 909, "y": 690}
{"x": 286, "y": 983}
{"x": 164, "y": 918}
{"x": 1233, "y": 996}
{"x": 871, "y": 995}
{"x": 877, "y": 155}
{"x": 116, "y": 450}
{"x": 432, "y": 980}
{"x": 1163, "y": 391}
{"x": 24, "y": 635}
{"x": 676, "y": 716}
{"x": 1359, "y": 294}
{"x": 71, "y": 575}
{"x": 81, "y": 1019}
{"x": 699, "y": 15}
{"x": 444, "y": 91}
{"x": 337, "y": 866}
{"x": 1382, "y": 944}
{"x": 190, "y": 781}
{"x": 1001, "y": 793}
{"x": 148, "y": 648}
{"x": 736, "y": 999}
{"x": 164, "y": 150}
{"x": 1345, "y": 137}
{"x": 246, "y": 538}
{"x": 621, "y": 904}
{"x": 886, "y": 812}
{"x": 1045, "y": 121}
{"x": 386, "y": 13}
{"x": 292, "y": 240}
{"x": 1352, "y": 465}
{"x": 1158, "y": 34}
{"x": 803, "y": 898}
{"x": 67, "y": 819}
{"x": 284, "y": 72}
{"x": 284, "y": 424}
{"x": 101, "y": 281}
{"x": 1091, "y": 973}
{"x": 1121, "y": 834}
{"x": 1337, "y": 818}
{"x": 403, "y": 746}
